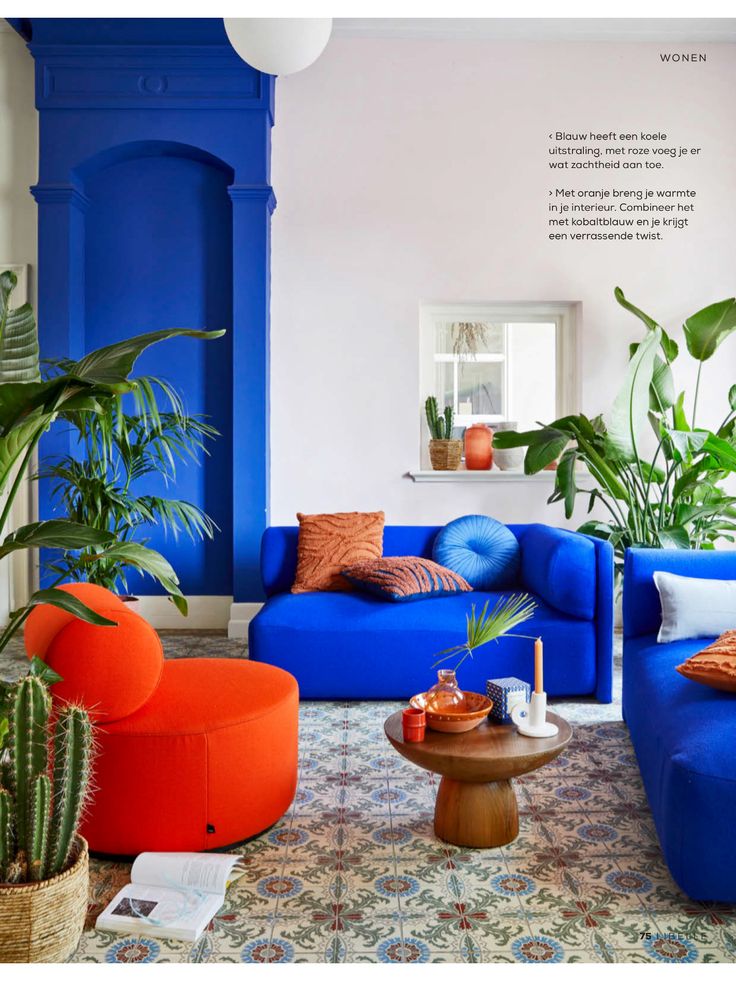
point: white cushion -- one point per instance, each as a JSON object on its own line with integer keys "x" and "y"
{"x": 695, "y": 607}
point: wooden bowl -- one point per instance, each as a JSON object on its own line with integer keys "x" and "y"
{"x": 478, "y": 708}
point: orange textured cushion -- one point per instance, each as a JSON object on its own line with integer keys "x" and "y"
{"x": 715, "y": 665}
{"x": 112, "y": 671}
{"x": 46, "y": 621}
{"x": 329, "y": 543}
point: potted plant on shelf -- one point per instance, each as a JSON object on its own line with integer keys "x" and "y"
{"x": 44, "y": 863}
{"x": 444, "y": 451}
{"x": 29, "y": 406}
{"x": 674, "y": 497}
{"x": 97, "y": 488}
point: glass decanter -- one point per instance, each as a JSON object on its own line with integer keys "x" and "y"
{"x": 446, "y": 696}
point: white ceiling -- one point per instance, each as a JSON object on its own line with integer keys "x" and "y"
{"x": 673, "y": 31}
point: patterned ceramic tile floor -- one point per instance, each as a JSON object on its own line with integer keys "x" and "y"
{"x": 354, "y": 873}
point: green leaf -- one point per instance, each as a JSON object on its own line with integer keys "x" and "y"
{"x": 732, "y": 397}
{"x": 57, "y": 533}
{"x": 18, "y": 337}
{"x": 707, "y": 328}
{"x": 630, "y": 407}
{"x": 547, "y": 447}
{"x": 112, "y": 364}
{"x": 674, "y": 537}
{"x": 644, "y": 317}
{"x": 509, "y": 439}
{"x": 721, "y": 450}
{"x": 669, "y": 346}
{"x": 146, "y": 560}
{"x": 565, "y": 480}
{"x": 680, "y": 419}
{"x": 40, "y": 669}
{"x": 662, "y": 389}
{"x": 65, "y": 601}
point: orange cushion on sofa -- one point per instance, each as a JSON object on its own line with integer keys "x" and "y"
{"x": 46, "y": 621}
{"x": 715, "y": 665}
{"x": 329, "y": 543}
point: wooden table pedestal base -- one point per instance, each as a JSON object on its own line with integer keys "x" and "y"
{"x": 476, "y": 815}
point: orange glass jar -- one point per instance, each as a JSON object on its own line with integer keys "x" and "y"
{"x": 478, "y": 447}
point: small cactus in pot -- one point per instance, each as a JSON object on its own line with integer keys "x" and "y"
{"x": 44, "y": 785}
{"x": 444, "y": 451}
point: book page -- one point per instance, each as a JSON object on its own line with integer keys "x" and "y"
{"x": 154, "y": 911}
{"x": 209, "y": 873}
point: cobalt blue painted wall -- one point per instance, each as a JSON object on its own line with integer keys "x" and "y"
{"x": 154, "y": 210}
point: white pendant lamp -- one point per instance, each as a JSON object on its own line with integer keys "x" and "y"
{"x": 279, "y": 45}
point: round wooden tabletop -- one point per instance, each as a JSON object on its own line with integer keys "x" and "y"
{"x": 491, "y": 751}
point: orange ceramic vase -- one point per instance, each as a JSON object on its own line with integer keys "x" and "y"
{"x": 478, "y": 447}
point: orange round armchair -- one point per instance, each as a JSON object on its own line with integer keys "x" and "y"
{"x": 192, "y": 753}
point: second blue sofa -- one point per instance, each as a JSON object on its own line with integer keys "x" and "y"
{"x": 684, "y": 733}
{"x": 355, "y": 646}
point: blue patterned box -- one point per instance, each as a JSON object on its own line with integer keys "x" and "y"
{"x": 505, "y": 693}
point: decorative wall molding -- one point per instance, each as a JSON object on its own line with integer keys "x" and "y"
{"x": 155, "y": 76}
{"x": 253, "y": 192}
{"x": 60, "y": 194}
{"x": 240, "y": 616}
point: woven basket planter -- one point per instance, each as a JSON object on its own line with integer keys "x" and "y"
{"x": 43, "y": 921}
{"x": 445, "y": 454}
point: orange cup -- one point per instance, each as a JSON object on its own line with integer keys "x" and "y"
{"x": 414, "y": 721}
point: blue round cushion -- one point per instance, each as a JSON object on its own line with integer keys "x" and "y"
{"x": 480, "y": 549}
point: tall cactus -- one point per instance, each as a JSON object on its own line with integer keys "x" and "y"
{"x": 38, "y": 819}
{"x": 37, "y": 849}
{"x": 7, "y": 833}
{"x": 430, "y": 408}
{"x": 72, "y": 756}
{"x": 29, "y": 758}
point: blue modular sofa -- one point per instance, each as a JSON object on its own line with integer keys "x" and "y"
{"x": 353, "y": 645}
{"x": 684, "y": 733}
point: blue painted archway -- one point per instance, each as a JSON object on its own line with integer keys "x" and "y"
{"x": 154, "y": 204}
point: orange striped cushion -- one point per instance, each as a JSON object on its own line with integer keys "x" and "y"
{"x": 405, "y": 577}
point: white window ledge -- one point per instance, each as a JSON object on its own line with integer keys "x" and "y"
{"x": 479, "y": 476}
{"x": 494, "y": 476}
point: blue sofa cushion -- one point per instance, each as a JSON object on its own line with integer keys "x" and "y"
{"x": 480, "y": 549}
{"x": 352, "y": 645}
{"x": 403, "y": 578}
{"x": 560, "y": 566}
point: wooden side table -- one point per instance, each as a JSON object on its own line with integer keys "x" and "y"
{"x": 476, "y": 804}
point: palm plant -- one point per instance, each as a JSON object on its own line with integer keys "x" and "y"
{"x": 98, "y": 489}
{"x": 509, "y": 612}
{"x": 29, "y": 406}
{"x": 673, "y": 499}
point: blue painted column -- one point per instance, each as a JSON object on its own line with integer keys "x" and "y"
{"x": 253, "y": 206}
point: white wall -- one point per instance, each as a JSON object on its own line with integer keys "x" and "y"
{"x": 18, "y": 152}
{"x": 18, "y": 170}
{"x": 410, "y": 171}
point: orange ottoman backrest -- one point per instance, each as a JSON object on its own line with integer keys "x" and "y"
{"x": 112, "y": 671}
{"x": 46, "y": 621}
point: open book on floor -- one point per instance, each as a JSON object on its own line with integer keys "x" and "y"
{"x": 171, "y": 894}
